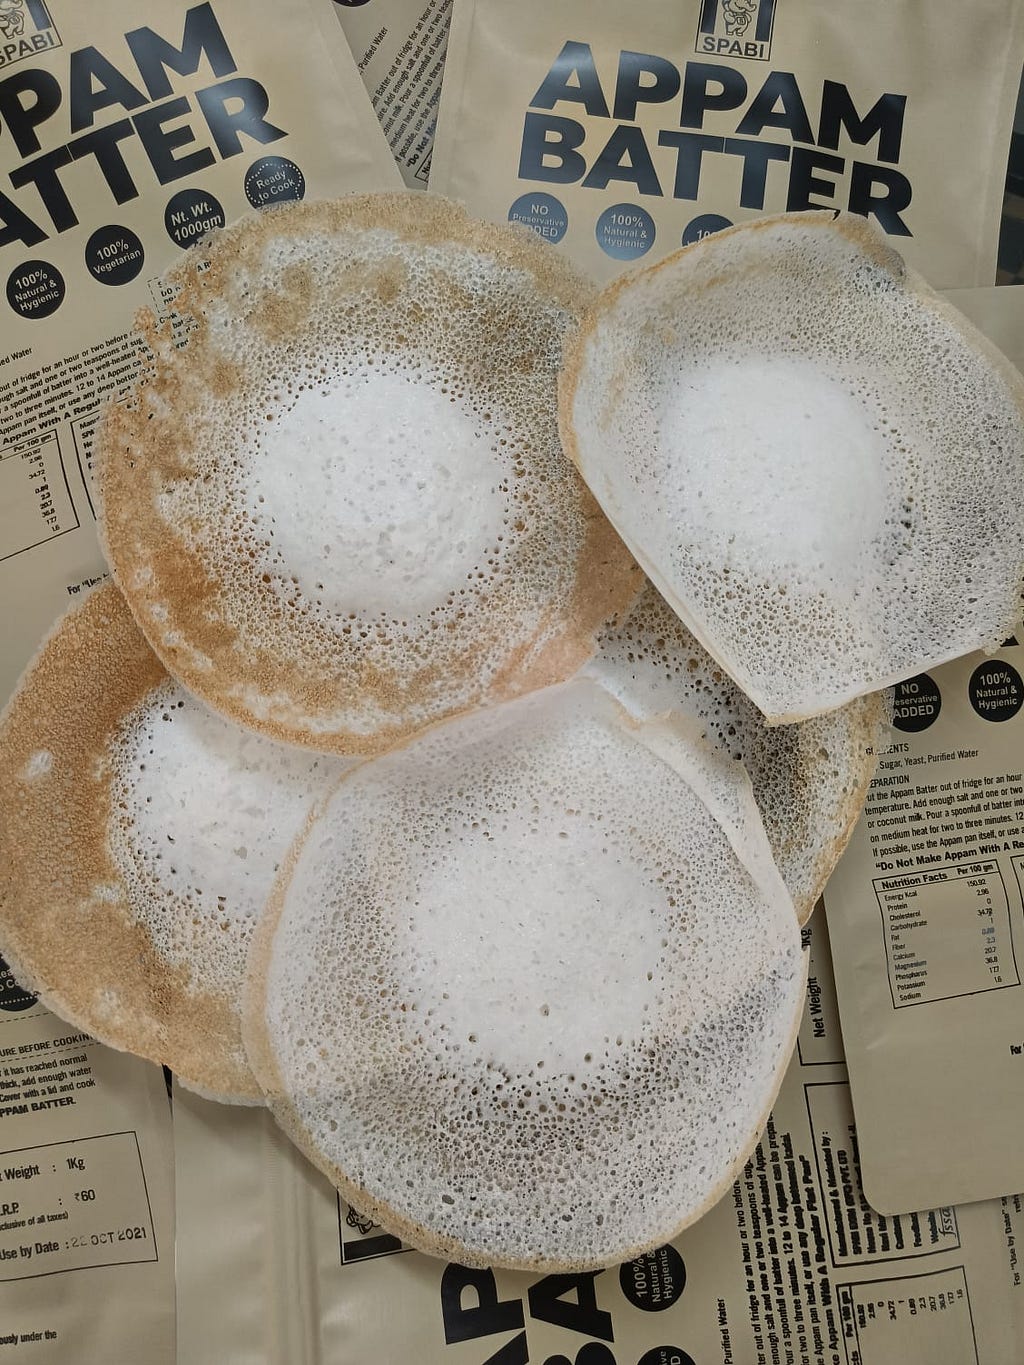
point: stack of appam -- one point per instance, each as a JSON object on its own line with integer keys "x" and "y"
{"x": 380, "y": 786}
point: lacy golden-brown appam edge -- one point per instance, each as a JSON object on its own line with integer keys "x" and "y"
{"x": 651, "y": 627}
{"x": 146, "y": 554}
{"x": 261, "y": 1057}
{"x": 59, "y": 937}
{"x": 867, "y": 729}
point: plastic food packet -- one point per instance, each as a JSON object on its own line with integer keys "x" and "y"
{"x": 399, "y": 47}
{"x": 791, "y": 1265}
{"x": 623, "y": 131}
{"x": 87, "y": 1210}
{"x": 926, "y": 912}
{"x": 121, "y": 143}
{"x": 124, "y": 137}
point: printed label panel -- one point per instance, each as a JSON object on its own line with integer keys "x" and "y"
{"x": 35, "y": 501}
{"x": 857, "y": 1234}
{"x": 919, "y": 1317}
{"x": 947, "y": 932}
{"x": 74, "y": 1205}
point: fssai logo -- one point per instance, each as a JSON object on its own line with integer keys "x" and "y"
{"x": 736, "y": 28}
{"x": 25, "y": 30}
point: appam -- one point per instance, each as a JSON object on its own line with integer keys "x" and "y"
{"x": 818, "y": 462}
{"x": 140, "y": 839}
{"x": 341, "y": 511}
{"x": 527, "y": 986}
{"x": 810, "y": 779}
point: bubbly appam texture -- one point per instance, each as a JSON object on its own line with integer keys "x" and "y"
{"x": 341, "y": 511}
{"x": 817, "y": 461}
{"x": 520, "y": 994}
{"x": 141, "y": 838}
{"x": 810, "y": 779}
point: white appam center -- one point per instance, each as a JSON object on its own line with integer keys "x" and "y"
{"x": 379, "y": 493}
{"x": 761, "y": 453}
{"x": 521, "y": 947}
{"x": 209, "y": 811}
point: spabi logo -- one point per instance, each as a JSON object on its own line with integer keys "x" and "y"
{"x": 25, "y": 30}
{"x": 736, "y": 28}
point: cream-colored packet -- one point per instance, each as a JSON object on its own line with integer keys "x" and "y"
{"x": 925, "y": 910}
{"x": 791, "y": 1266}
{"x": 86, "y": 1196}
{"x": 399, "y": 47}
{"x": 999, "y": 313}
{"x": 622, "y": 131}
{"x": 121, "y": 142}
{"x": 927, "y": 919}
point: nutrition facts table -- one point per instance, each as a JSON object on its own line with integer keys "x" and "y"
{"x": 35, "y": 501}
{"x": 913, "y": 1317}
{"x": 947, "y": 932}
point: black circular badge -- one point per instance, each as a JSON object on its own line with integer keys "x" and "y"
{"x": 703, "y": 226}
{"x": 191, "y": 214}
{"x": 273, "y": 180}
{"x": 666, "y": 1355}
{"x": 996, "y": 690}
{"x": 654, "y": 1281}
{"x": 35, "y": 289}
{"x": 114, "y": 255}
{"x": 13, "y": 998}
{"x": 542, "y": 212}
{"x": 591, "y": 1354}
{"x": 625, "y": 232}
{"x": 916, "y": 704}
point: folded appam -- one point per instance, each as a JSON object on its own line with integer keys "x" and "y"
{"x": 140, "y": 839}
{"x": 818, "y": 462}
{"x": 810, "y": 779}
{"x": 341, "y": 511}
{"x": 527, "y": 986}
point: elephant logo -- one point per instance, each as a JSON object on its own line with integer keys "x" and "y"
{"x": 737, "y": 15}
{"x": 736, "y": 28}
{"x": 12, "y": 18}
{"x": 26, "y": 30}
